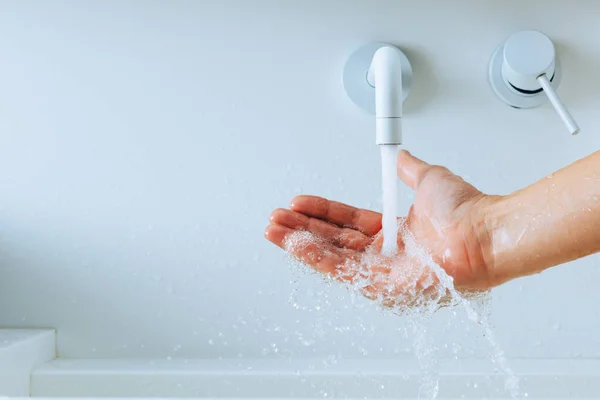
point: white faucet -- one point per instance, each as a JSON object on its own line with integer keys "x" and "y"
{"x": 378, "y": 77}
{"x": 385, "y": 75}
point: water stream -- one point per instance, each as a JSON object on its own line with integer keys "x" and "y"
{"x": 389, "y": 155}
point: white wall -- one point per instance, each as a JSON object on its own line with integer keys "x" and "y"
{"x": 144, "y": 143}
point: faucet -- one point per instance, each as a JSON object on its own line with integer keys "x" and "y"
{"x": 385, "y": 75}
{"x": 378, "y": 78}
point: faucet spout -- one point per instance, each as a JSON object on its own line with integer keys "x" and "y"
{"x": 385, "y": 75}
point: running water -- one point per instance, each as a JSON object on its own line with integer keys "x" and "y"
{"x": 389, "y": 155}
{"x": 411, "y": 284}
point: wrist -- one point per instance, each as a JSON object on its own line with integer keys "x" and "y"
{"x": 503, "y": 232}
{"x": 493, "y": 215}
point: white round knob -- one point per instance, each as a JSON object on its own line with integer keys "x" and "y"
{"x": 518, "y": 63}
{"x": 527, "y": 55}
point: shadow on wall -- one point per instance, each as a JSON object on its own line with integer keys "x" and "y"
{"x": 423, "y": 78}
{"x": 577, "y": 67}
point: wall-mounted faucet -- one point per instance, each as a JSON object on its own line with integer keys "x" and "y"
{"x": 524, "y": 72}
{"x": 385, "y": 75}
{"x": 378, "y": 77}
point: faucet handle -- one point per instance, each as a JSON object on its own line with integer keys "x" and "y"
{"x": 560, "y": 108}
{"x": 525, "y": 72}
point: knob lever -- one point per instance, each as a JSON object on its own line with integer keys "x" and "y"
{"x": 560, "y": 108}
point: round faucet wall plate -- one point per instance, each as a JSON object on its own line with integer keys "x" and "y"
{"x": 355, "y": 76}
{"x": 509, "y": 95}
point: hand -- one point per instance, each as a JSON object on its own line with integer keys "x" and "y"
{"x": 446, "y": 219}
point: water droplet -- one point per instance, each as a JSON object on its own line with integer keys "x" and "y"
{"x": 556, "y": 326}
{"x": 211, "y": 342}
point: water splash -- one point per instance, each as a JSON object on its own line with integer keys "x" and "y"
{"x": 425, "y": 352}
{"x": 480, "y": 318}
{"x": 413, "y": 285}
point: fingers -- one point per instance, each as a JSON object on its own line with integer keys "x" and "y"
{"x": 342, "y": 237}
{"x": 321, "y": 255}
{"x": 342, "y": 215}
{"x": 401, "y": 285}
{"x": 318, "y": 253}
{"x": 411, "y": 170}
{"x": 278, "y": 234}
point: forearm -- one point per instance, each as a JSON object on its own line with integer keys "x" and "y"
{"x": 548, "y": 223}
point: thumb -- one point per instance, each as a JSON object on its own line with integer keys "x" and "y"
{"x": 411, "y": 170}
